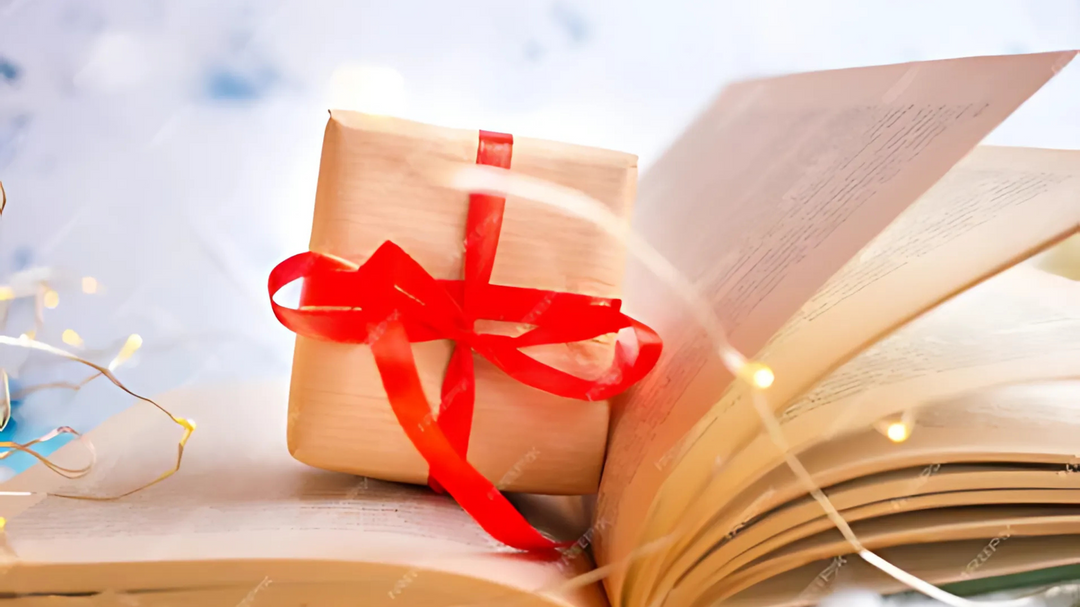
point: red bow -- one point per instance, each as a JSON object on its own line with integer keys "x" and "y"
{"x": 391, "y": 301}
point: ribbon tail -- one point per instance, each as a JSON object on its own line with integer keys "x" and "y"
{"x": 456, "y": 406}
{"x": 476, "y": 495}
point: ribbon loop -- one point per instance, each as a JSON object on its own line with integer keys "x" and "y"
{"x": 390, "y": 302}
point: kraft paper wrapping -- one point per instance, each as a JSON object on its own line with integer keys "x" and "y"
{"x": 372, "y": 188}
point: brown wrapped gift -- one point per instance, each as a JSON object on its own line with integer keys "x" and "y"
{"x": 373, "y": 187}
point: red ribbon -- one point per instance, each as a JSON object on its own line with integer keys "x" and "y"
{"x": 391, "y": 301}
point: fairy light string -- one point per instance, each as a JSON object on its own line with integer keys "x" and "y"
{"x": 187, "y": 425}
{"x": 755, "y": 376}
{"x": 130, "y": 346}
{"x": 45, "y": 296}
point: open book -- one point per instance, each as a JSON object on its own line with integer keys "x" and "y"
{"x": 851, "y": 236}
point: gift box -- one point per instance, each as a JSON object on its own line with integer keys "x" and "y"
{"x": 375, "y": 186}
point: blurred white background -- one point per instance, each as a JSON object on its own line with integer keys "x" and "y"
{"x": 170, "y": 148}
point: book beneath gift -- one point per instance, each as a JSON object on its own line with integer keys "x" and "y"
{"x": 913, "y": 293}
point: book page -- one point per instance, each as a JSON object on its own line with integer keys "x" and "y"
{"x": 938, "y": 563}
{"x": 1063, "y": 259}
{"x": 1024, "y": 424}
{"x": 804, "y": 518}
{"x": 933, "y": 526}
{"x": 1021, "y": 424}
{"x": 765, "y": 197}
{"x": 351, "y": 591}
{"x": 239, "y": 497}
{"x": 1020, "y": 326}
{"x": 1024, "y": 198}
{"x": 995, "y": 208}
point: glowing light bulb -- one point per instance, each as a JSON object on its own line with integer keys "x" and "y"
{"x": 7, "y": 293}
{"x": 133, "y": 343}
{"x": 758, "y": 374}
{"x": 51, "y": 299}
{"x": 71, "y": 338}
{"x": 763, "y": 377}
{"x": 89, "y": 285}
{"x": 28, "y": 335}
{"x": 898, "y": 432}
